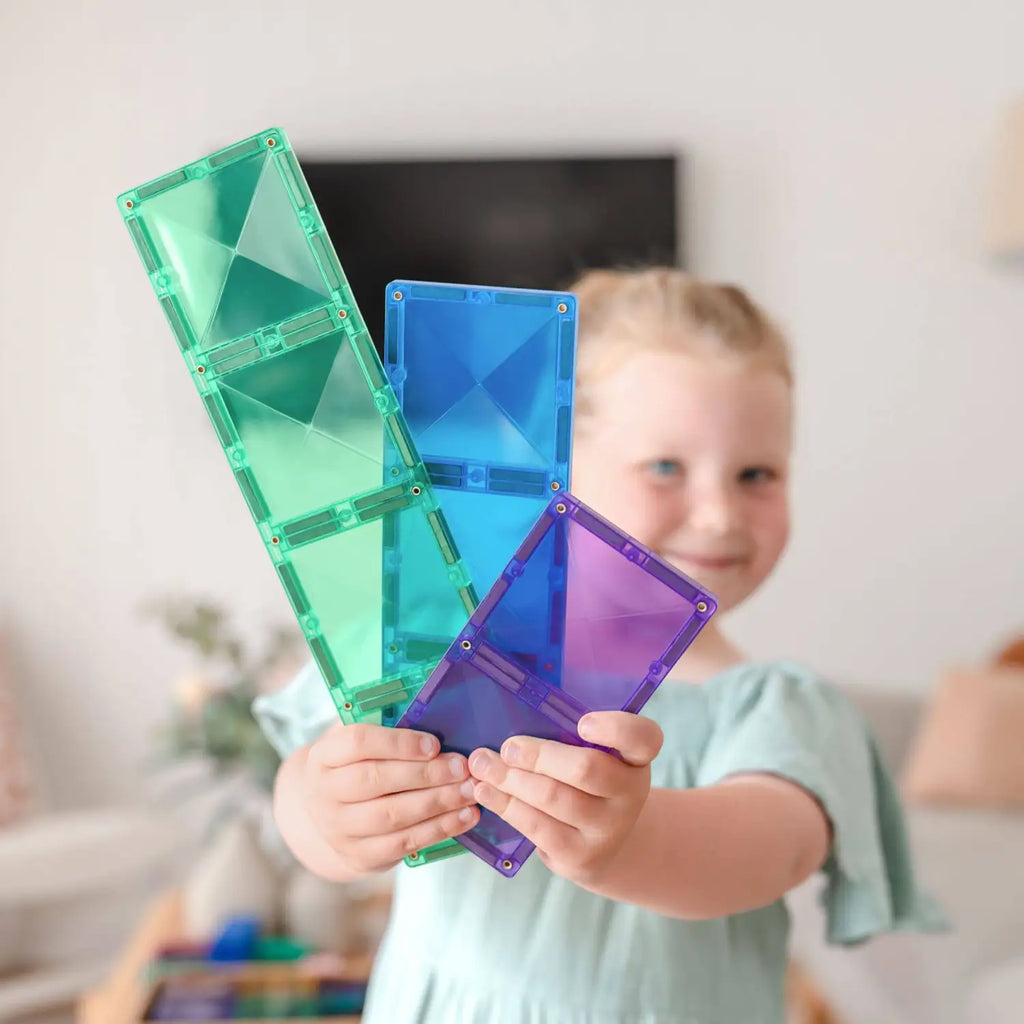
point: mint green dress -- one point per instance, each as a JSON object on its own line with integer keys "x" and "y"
{"x": 467, "y": 946}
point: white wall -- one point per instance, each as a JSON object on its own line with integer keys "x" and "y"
{"x": 839, "y": 162}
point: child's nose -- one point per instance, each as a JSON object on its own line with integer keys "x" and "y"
{"x": 715, "y": 511}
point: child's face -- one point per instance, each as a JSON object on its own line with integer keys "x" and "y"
{"x": 691, "y": 457}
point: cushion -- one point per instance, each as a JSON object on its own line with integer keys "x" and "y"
{"x": 969, "y": 750}
{"x": 969, "y": 859}
{"x": 15, "y": 791}
{"x": 1012, "y": 653}
{"x": 997, "y": 996}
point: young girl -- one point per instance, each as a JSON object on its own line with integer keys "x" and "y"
{"x": 656, "y": 892}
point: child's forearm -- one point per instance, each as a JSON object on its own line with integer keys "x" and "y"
{"x": 719, "y": 850}
{"x": 297, "y": 829}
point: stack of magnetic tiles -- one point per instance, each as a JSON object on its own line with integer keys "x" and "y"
{"x": 390, "y": 502}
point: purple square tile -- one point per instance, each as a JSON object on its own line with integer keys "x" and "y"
{"x": 584, "y": 618}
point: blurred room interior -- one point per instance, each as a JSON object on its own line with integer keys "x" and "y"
{"x": 860, "y": 170}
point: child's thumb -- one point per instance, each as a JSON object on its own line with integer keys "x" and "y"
{"x": 637, "y": 739}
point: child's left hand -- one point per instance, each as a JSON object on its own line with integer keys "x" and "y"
{"x": 576, "y": 804}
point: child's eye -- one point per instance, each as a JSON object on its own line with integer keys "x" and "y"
{"x": 757, "y": 475}
{"x": 665, "y": 467}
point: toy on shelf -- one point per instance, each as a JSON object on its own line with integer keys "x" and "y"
{"x": 243, "y": 975}
{"x": 255, "y": 296}
{"x": 583, "y": 619}
{"x": 251, "y": 996}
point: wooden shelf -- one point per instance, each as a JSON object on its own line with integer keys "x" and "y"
{"x": 123, "y": 998}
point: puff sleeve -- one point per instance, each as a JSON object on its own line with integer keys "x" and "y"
{"x": 784, "y": 721}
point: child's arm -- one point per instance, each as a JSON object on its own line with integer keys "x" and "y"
{"x": 694, "y": 853}
{"x": 361, "y": 797}
{"x": 722, "y": 849}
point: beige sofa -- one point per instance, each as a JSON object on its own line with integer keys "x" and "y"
{"x": 973, "y": 862}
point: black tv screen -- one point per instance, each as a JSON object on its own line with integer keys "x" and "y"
{"x": 521, "y": 223}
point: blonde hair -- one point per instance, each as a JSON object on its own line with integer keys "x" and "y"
{"x": 621, "y": 311}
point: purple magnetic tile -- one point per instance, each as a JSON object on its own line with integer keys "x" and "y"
{"x": 584, "y": 618}
{"x": 466, "y": 708}
{"x": 198, "y": 999}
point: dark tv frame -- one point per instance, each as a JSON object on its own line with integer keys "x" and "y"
{"x": 368, "y": 285}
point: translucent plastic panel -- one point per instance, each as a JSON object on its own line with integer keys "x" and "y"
{"x": 242, "y": 257}
{"x": 616, "y": 614}
{"x": 366, "y": 636}
{"x": 351, "y": 616}
{"x": 308, "y": 424}
{"x": 487, "y": 719}
{"x": 584, "y": 618}
{"x": 254, "y": 294}
{"x": 485, "y": 379}
{"x": 486, "y": 373}
{"x": 488, "y": 527}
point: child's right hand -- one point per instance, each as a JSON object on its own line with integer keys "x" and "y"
{"x": 376, "y": 795}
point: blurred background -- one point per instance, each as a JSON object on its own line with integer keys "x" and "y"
{"x": 859, "y": 170}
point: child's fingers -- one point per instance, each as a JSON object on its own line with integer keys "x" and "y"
{"x": 345, "y": 744}
{"x": 590, "y": 771}
{"x": 541, "y": 829}
{"x": 400, "y": 811}
{"x": 637, "y": 739}
{"x": 365, "y": 780}
{"x": 384, "y": 851}
{"x": 556, "y": 799}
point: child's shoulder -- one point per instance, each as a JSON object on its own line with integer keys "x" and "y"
{"x": 781, "y": 712}
{"x": 746, "y": 685}
{"x": 761, "y": 715}
{"x": 756, "y": 689}
{"x": 766, "y": 670}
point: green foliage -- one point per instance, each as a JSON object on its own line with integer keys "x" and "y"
{"x": 218, "y": 724}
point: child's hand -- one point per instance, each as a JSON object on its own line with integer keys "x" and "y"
{"x": 576, "y": 804}
{"x": 375, "y": 794}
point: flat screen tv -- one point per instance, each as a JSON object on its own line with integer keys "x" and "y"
{"x": 522, "y": 223}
